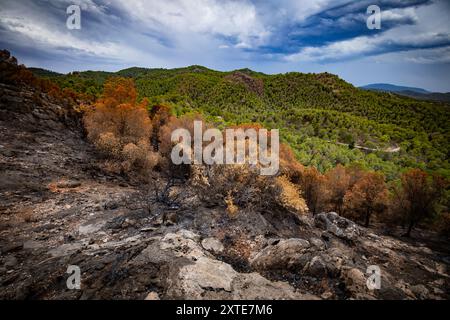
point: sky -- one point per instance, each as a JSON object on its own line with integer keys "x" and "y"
{"x": 411, "y": 48}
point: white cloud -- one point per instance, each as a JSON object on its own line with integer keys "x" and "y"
{"x": 418, "y": 56}
{"x": 367, "y": 45}
{"x": 425, "y": 33}
{"x": 88, "y": 5}
{"x": 335, "y": 51}
{"x": 40, "y": 33}
{"x": 300, "y": 10}
{"x": 236, "y": 19}
{"x": 395, "y": 15}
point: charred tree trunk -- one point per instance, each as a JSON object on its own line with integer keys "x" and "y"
{"x": 367, "y": 218}
{"x": 410, "y": 227}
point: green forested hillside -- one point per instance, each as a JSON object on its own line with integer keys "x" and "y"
{"x": 325, "y": 120}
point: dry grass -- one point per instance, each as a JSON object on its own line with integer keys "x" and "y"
{"x": 240, "y": 188}
{"x": 289, "y": 196}
{"x": 232, "y": 209}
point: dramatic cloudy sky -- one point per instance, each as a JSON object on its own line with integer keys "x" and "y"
{"x": 411, "y": 48}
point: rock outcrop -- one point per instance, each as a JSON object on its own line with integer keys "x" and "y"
{"x": 196, "y": 274}
{"x": 253, "y": 84}
{"x": 338, "y": 226}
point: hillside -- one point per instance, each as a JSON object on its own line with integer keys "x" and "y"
{"x": 321, "y": 116}
{"x": 59, "y": 207}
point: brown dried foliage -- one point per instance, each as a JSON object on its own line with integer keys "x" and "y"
{"x": 121, "y": 128}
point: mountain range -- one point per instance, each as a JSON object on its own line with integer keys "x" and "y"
{"x": 417, "y": 93}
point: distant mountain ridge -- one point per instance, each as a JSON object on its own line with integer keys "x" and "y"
{"x": 412, "y": 92}
{"x": 393, "y": 88}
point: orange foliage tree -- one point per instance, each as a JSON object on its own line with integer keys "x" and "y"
{"x": 368, "y": 196}
{"x": 120, "y": 127}
{"x": 20, "y": 75}
{"x": 289, "y": 165}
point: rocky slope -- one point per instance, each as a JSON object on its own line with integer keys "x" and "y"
{"x": 58, "y": 208}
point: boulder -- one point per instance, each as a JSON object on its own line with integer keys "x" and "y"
{"x": 326, "y": 263}
{"x": 420, "y": 291}
{"x": 318, "y": 243}
{"x": 316, "y": 267}
{"x": 406, "y": 288}
{"x": 356, "y": 284}
{"x": 194, "y": 280}
{"x": 184, "y": 243}
{"x": 338, "y": 226}
{"x": 152, "y": 296}
{"x": 283, "y": 254}
{"x": 253, "y": 286}
{"x": 212, "y": 245}
{"x": 195, "y": 274}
